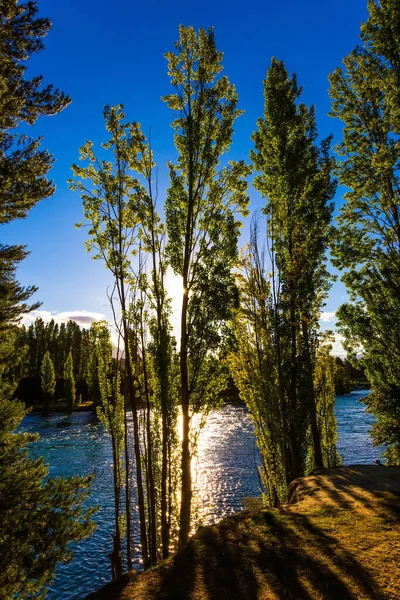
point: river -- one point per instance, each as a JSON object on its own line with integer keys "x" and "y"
{"x": 226, "y": 473}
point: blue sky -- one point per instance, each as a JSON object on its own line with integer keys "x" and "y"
{"x": 102, "y": 53}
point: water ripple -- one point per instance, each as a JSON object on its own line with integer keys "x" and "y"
{"x": 225, "y": 474}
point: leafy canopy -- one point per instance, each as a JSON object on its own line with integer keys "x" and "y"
{"x": 365, "y": 96}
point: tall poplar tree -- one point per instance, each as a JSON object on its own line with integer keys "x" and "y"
{"x": 112, "y": 197}
{"x": 295, "y": 179}
{"x": 365, "y": 96}
{"x": 127, "y": 233}
{"x": 203, "y": 200}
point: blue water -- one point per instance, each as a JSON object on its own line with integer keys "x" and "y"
{"x": 226, "y": 473}
{"x": 354, "y": 443}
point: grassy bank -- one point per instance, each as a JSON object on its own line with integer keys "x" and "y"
{"x": 339, "y": 538}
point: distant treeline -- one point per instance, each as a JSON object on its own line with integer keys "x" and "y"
{"x": 35, "y": 341}
{"x": 347, "y": 375}
{"x": 59, "y": 340}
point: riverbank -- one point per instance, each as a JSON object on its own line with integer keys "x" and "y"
{"x": 338, "y": 539}
{"x": 62, "y": 407}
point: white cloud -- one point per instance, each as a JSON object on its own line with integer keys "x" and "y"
{"x": 337, "y": 346}
{"x": 84, "y": 318}
{"x": 327, "y": 317}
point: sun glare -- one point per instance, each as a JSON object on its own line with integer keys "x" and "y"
{"x": 174, "y": 287}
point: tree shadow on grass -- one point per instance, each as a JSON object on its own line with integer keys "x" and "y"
{"x": 271, "y": 552}
{"x": 290, "y": 558}
{"x": 374, "y": 495}
{"x": 180, "y": 578}
{"x": 286, "y": 554}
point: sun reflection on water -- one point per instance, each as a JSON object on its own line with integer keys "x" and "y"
{"x": 224, "y": 470}
{"x": 224, "y": 473}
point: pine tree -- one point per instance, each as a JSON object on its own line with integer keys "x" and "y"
{"x": 40, "y": 517}
{"x": 365, "y": 96}
{"x": 23, "y": 165}
{"x": 69, "y": 382}
{"x": 48, "y": 380}
{"x": 13, "y": 297}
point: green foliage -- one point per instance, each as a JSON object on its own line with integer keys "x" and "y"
{"x": 23, "y": 165}
{"x": 120, "y": 212}
{"x": 40, "y": 517}
{"x": 277, "y": 325}
{"x": 325, "y": 395}
{"x": 365, "y": 95}
{"x": 58, "y": 340}
{"x": 13, "y": 297}
{"x": 202, "y": 202}
{"x": 295, "y": 179}
{"x": 112, "y": 197}
{"x": 163, "y": 372}
{"x": 48, "y": 379}
{"x": 14, "y": 358}
{"x": 202, "y": 199}
{"x": 111, "y": 413}
{"x": 91, "y": 374}
{"x": 342, "y": 378}
{"x": 33, "y": 342}
{"x": 111, "y": 410}
{"x": 255, "y": 372}
{"x": 69, "y": 382}
{"x": 204, "y": 196}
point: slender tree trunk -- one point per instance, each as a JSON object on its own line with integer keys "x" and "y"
{"x": 150, "y": 470}
{"x": 164, "y": 488}
{"x": 315, "y": 435}
{"x": 127, "y": 483}
{"x": 164, "y": 393}
{"x": 147, "y": 486}
{"x": 136, "y": 441}
{"x": 165, "y": 419}
{"x": 186, "y": 491}
{"x": 281, "y": 385}
{"x": 281, "y": 388}
{"x": 120, "y": 281}
{"x": 163, "y": 373}
{"x": 294, "y": 458}
{"x": 170, "y": 494}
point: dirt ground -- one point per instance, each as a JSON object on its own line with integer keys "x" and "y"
{"x": 337, "y": 539}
